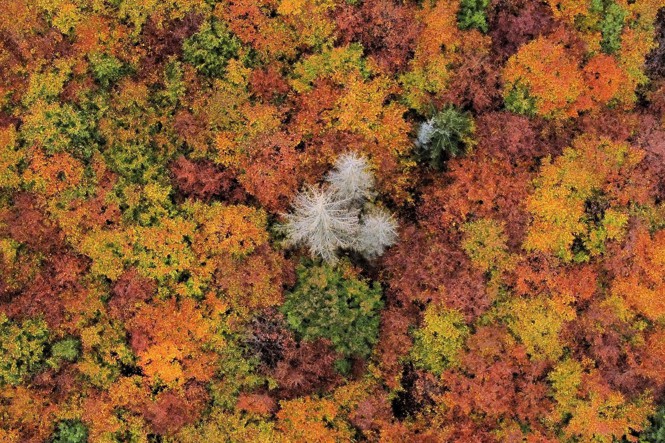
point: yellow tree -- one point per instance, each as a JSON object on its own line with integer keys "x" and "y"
{"x": 580, "y": 199}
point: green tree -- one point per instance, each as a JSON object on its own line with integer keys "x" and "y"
{"x": 518, "y": 100}
{"x": 66, "y": 349}
{"x": 70, "y": 431}
{"x": 655, "y": 433}
{"x": 473, "y": 14}
{"x": 611, "y": 24}
{"x": 22, "y": 348}
{"x": 106, "y": 69}
{"x": 61, "y": 128}
{"x": 448, "y": 134}
{"x": 210, "y": 49}
{"x": 326, "y": 303}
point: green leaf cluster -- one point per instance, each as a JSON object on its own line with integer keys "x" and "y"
{"x": 611, "y": 20}
{"x": 448, "y": 134}
{"x": 106, "y": 69}
{"x": 326, "y": 303}
{"x": 519, "y": 101}
{"x": 22, "y": 348}
{"x": 210, "y": 49}
{"x": 473, "y": 14}
{"x": 67, "y": 349}
{"x": 70, "y": 431}
{"x": 655, "y": 433}
{"x": 61, "y": 128}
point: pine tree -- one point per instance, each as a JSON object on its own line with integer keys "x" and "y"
{"x": 448, "y": 134}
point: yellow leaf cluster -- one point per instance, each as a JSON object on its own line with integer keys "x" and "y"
{"x": 537, "y": 324}
{"x": 565, "y": 186}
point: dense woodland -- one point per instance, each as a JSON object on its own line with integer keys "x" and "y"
{"x": 332, "y": 221}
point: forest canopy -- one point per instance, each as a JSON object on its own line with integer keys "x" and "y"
{"x": 332, "y": 221}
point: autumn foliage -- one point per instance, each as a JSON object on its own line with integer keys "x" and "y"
{"x": 332, "y": 220}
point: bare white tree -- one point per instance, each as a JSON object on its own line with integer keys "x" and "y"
{"x": 323, "y": 222}
{"x": 378, "y": 230}
{"x": 351, "y": 178}
{"x": 329, "y": 219}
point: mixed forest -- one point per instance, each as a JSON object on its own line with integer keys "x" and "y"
{"x": 322, "y": 221}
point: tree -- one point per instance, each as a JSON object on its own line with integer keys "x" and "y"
{"x": 105, "y": 353}
{"x": 310, "y": 21}
{"x": 128, "y": 292}
{"x": 350, "y": 180}
{"x": 306, "y": 368}
{"x": 386, "y": 30}
{"x": 236, "y": 230}
{"x": 589, "y": 409}
{"x": 440, "y": 48}
{"x": 448, "y": 134}
{"x": 605, "y": 415}
{"x": 210, "y": 48}
{"x": 377, "y": 231}
{"x": 10, "y": 156}
{"x": 203, "y": 180}
{"x": 485, "y": 244}
{"x": 430, "y": 267}
{"x": 641, "y": 281}
{"x": 54, "y": 174}
{"x": 173, "y": 409}
{"x": 611, "y": 25}
{"x": 606, "y": 80}
{"x": 655, "y": 433}
{"x": 577, "y": 206}
{"x": 106, "y": 68}
{"x": 514, "y": 26}
{"x": 545, "y": 73}
{"x": 537, "y": 324}
{"x": 271, "y": 170}
{"x": 439, "y": 341}
{"x": 494, "y": 382}
{"x": 394, "y": 343}
{"x": 255, "y": 281}
{"x": 328, "y": 303}
{"x": 339, "y": 216}
{"x": 67, "y": 349}
{"x": 473, "y": 14}
{"x": 475, "y": 84}
{"x": 177, "y": 348}
{"x": 61, "y": 128}
{"x": 236, "y": 426}
{"x": 23, "y": 348}
{"x": 70, "y": 431}
{"x": 322, "y": 222}
{"x": 258, "y": 25}
{"x": 312, "y": 419}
